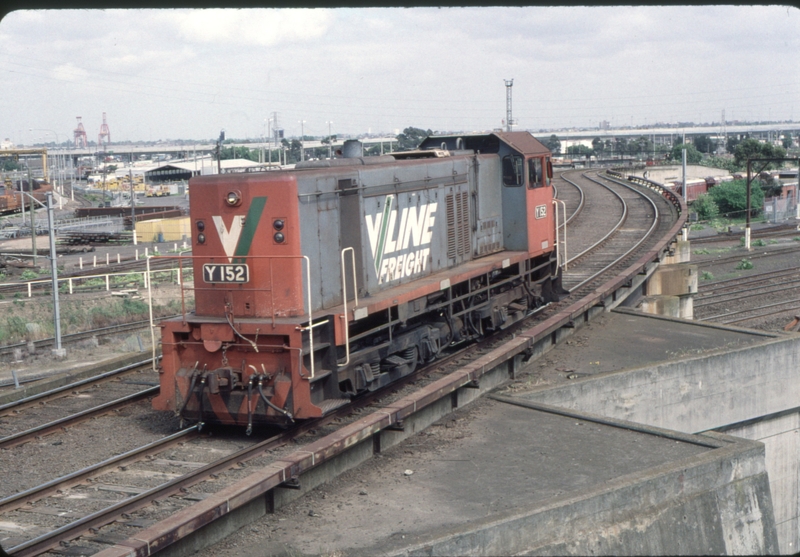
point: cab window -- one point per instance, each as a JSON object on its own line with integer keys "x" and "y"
{"x": 512, "y": 170}
{"x": 535, "y": 173}
{"x": 548, "y": 176}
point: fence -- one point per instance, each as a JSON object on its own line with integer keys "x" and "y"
{"x": 777, "y": 209}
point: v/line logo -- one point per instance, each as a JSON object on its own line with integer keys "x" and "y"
{"x": 388, "y": 236}
{"x": 236, "y": 241}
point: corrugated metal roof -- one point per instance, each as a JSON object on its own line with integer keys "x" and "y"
{"x": 523, "y": 142}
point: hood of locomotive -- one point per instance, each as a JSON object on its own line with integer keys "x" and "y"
{"x": 246, "y": 246}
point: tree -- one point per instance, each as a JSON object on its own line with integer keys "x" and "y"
{"x": 693, "y": 156}
{"x": 720, "y": 162}
{"x": 753, "y": 149}
{"x": 705, "y": 144}
{"x": 9, "y": 165}
{"x": 598, "y": 145}
{"x": 580, "y": 150}
{"x": 411, "y": 138}
{"x": 787, "y": 140}
{"x": 552, "y": 143}
{"x": 642, "y": 145}
{"x": 772, "y": 187}
{"x": 620, "y": 146}
{"x": 733, "y": 141}
{"x": 293, "y": 150}
{"x": 705, "y": 207}
{"x": 731, "y": 198}
{"x": 239, "y": 153}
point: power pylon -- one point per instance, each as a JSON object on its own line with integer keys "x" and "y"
{"x": 509, "y": 120}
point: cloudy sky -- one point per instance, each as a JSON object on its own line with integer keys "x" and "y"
{"x": 187, "y": 74}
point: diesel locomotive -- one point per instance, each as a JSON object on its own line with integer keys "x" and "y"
{"x": 342, "y": 275}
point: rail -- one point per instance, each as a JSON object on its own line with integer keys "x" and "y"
{"x": 676, "y": 200}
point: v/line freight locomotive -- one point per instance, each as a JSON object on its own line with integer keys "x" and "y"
{"x": 340, "y": 276}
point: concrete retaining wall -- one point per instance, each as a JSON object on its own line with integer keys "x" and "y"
{"x": 781, "y": 437}
{"x": 714, "y": 503}
{"x": 707, "y": 393}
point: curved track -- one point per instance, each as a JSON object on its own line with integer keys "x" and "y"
{"x": 621, "y": 221}
{"x": 428, "y": 385}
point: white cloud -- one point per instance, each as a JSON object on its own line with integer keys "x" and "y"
{"x": 69, "y": 72}
{"x": 265, "y": 27}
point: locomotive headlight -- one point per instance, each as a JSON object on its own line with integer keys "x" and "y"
{"x": 278, "y": 237}
{"x": 233, "y": 198}
{"x": 201, "y": 238}
{"x": 278, "y": 224}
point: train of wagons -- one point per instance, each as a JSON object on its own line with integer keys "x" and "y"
{"x": 11, "y": 200}
{"x": 339, "y": 276}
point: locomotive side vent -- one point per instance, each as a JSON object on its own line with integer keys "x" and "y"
{"x": 451, "y": 226}
{"x": 457, "y": 215}
{"x": 462, "y": 206}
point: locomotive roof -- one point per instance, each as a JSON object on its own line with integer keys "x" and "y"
{"x": 522, "y": 142}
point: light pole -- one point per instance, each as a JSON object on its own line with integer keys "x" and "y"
{"x": 56, "y": 136}
{"x": 302, "y": 141}
{"x": 58, "y": 351}
{"x": 330, "y": 141}
{"x": 269, "y": 140}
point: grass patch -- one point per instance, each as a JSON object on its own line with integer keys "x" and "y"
{"x": 744, "y": 265}
{"x": 706, "y": 275}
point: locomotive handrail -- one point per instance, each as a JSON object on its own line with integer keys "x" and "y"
{"x": 180, "y": 257}
{"x": 558, "y": 249}
{"x": 150, "y": 310}
{"x": 344, "y": 300}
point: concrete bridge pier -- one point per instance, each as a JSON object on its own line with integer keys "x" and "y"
{"x": 670, "y": 289}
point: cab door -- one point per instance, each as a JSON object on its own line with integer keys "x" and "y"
{"x": 539, "y": 203}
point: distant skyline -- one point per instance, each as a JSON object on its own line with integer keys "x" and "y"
{"x": 187, "y": 74}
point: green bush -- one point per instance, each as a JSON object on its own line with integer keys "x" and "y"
{"x": 744, "y": 265}
{"x": 16, "y": 326}
{"x": 731, "y": 198}
{"x": 705, "y": 207}
{"x": 705, "y": 275}
{"x": 29, "y": 274}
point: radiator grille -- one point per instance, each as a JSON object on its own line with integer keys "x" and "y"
{"x": 457, "y": 215}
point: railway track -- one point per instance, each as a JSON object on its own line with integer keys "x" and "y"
{"x": 26, "y": 419}
{"x": 122, "y": 474}
{"x": 428, "y": 384}
{"x": 731, "y": 289}
{"x": 77, "y": 337}
{"x": 779, "y": 231}
{"x": 626, "y": 221}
